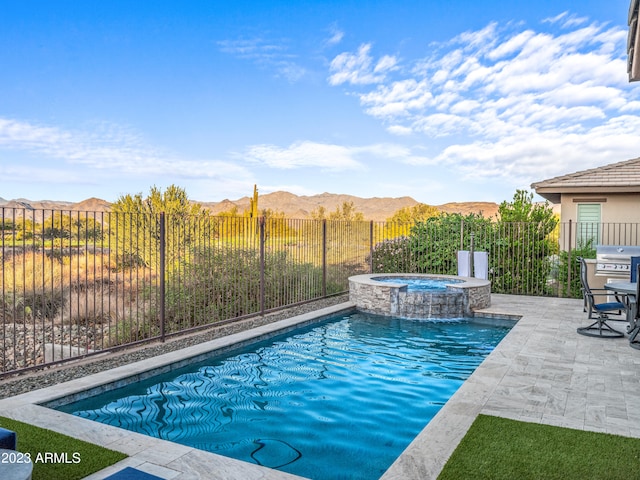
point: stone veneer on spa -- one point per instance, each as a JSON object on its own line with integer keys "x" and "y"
{"x": 461, "y": 297}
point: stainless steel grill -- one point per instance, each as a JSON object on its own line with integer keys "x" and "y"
{"x": 615, "y": 260}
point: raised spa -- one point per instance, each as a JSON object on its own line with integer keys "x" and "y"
{"x": 419, "y": 295}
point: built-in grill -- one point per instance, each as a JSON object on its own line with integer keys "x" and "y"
{"x": 615, "y": 260}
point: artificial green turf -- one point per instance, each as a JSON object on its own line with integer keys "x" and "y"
{"x": 59, "y": 457}
{"x": 497, "y": 448}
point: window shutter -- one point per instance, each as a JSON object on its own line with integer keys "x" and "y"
{"x": 589, "y": 217}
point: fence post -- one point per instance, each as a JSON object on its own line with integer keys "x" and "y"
{"x": 261, "y": 224}
{"x": 471, "y": 260}
{"x": 371, "y": 246}
{"x": 163, "y": 296}
{"x": 324, "y": 257}
{"x": 569, "y": 262}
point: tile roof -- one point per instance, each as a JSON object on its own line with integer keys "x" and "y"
{"x": 621, "y": 174}
{"x": 621, "y": 177}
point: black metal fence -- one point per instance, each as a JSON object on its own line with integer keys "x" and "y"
{"x": 73, "y": 283}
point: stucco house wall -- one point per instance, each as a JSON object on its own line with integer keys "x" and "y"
{"x": 616, "y": 208}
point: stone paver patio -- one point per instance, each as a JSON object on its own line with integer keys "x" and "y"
{"x": 543, "y": 372}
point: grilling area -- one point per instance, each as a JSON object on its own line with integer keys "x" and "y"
{"x": 617, "y": 269}
{"x": 614, "y": 262}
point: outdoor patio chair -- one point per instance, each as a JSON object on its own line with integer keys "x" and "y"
{"x": 7, "y": 439}
{"x": 635, "y": 261}
{"x": 598, "y": 309}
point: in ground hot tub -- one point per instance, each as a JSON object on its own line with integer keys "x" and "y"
{"x": 419, "y": 295}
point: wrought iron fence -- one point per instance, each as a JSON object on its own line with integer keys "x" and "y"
{"x": 523, "y": 257}
{"x": 74, "y": 283}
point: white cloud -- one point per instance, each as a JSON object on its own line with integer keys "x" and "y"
{"x": 336, "y": 36}
{"x": 566, "y": 20}
{"x": 399, "y": 130}
{"x": 254, "y": 48}
{"x": 328, "y": 157}
{"x": 508, "y": 101}
{"x": 271, "y": 54}
{"x": 359, "y": 68}
{"x": 398, "y": 99}
{"x": 304, "y": 154}
{"x": 16, "y": 173}
{"x": 107, "y": 148}
{"x": 512, "y": 45}
{"x": 480, "y": 40}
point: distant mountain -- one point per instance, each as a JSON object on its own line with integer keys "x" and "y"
{"x": 293, "y": 206}
{"x": 92, "y": 205}
{"x": 376, "y": 208}
{"x": 40, "y": 209}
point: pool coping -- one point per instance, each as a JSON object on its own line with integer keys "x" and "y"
{"x": 456, "y": 280}
{"x": 542, "y": 372}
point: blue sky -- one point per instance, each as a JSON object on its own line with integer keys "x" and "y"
{"x": 442, "y": 101}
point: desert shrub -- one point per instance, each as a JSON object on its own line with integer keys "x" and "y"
{"x": 522, "y": 258}
{"x": 127, "y": 261}
{"x": 130, "y": 330}
{"x": 521, "y": 246}
{"x": 393, "y": 255}
{"x": 435, "y": 242}
{"x": 215, "y": 285}
{"x": 219, "y": 284}
{"x": 92, "y": 305}
{"x": 525, "y": 246}
{"x": 73, "y": 288}
{"x": 288, "y": 281}
{"x": 566, "y": 262}
{"x": 338, "y": 275}
{"x": 33, "y": 286}
{"x": 43, "y": 303}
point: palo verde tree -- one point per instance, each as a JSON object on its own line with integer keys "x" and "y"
{"x": 402, "y": 220}
{"x": 419, "y": 212}
{"x": 346, "y": 212}
{"x": 79, "y": 226}
{"x": 135, "y": 225}
{"x": 17, "y": 229}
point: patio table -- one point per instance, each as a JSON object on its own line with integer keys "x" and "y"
{"x": 629, "y": 289}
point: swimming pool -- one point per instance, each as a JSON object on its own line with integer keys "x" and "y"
{"x": 340, "y": 399}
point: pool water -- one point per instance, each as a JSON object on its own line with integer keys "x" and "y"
{"x": 340, "y": 399}
{"x": 420, "y": 284}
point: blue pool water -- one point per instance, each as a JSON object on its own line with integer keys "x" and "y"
{"x": 340, "y": 399}
{"x": 420, "y": 284}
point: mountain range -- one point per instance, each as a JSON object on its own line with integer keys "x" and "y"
{"x": 293, "y": 206}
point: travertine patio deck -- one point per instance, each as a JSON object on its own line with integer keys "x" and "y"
{"x": 543, "y": 371}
